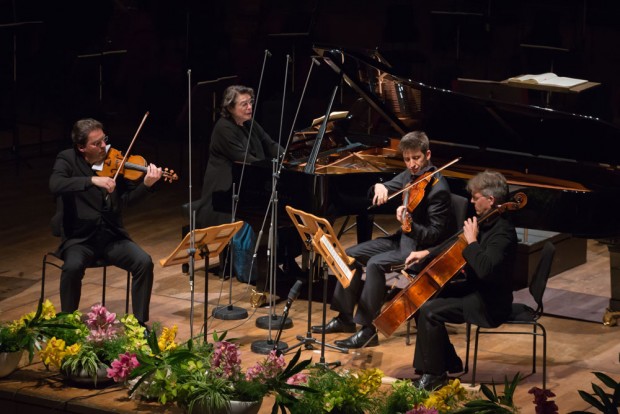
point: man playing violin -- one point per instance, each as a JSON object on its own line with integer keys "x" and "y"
{"x": 430, "y": 225}
{"x": 483, "y": 298}
{"x": 88, "y": 218}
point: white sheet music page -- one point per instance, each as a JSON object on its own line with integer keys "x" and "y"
{"x": 339, "y": 262}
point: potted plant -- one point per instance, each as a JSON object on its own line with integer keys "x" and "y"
{"x": 84, "y": 353}
{"x": 208, "y": 377}
{"x": 28, "y": 333}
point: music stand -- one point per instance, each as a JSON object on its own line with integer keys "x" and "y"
{"x": 319, "y": 237}
{"x": 208, "y": 242}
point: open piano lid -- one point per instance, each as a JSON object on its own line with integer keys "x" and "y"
{"x": 566, "y": 163}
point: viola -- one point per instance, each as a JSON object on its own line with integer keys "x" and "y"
{"x": 434, "y": 276}
{"x": 133, "y": 169}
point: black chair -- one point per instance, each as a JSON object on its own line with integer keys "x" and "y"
{"x": 52, "y": 259}
{"x": 525, "y": 315}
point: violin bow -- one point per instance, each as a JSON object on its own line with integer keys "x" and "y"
{"x": 130, "y": 145}
{"x": 407, "y": 187}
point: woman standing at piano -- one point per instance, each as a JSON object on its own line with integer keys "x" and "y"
{"x": 431, "y": 224}
{"x": 229, "y": 140}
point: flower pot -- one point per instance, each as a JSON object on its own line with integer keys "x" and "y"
{"x": 9, "y": 362}
{"x": 244, "y": 407}
{"x": 83, "y": 379}
{"x": 236, "y": 407}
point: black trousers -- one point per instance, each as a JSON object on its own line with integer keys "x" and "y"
{"x": 122, "y": 253}
{"x": 434, "y": 353}
{"x": 378, "y": 256}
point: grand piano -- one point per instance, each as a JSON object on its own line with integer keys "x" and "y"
{"x": 566, "y": 163}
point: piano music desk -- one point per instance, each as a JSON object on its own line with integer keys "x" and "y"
{"x": 570, "y": 252}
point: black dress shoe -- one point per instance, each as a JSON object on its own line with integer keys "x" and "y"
{"x": 430, "y": 382}
{"x": 334, "y": 326}
{"x": 456, "y": 365}
{"x": 363, "y": 338}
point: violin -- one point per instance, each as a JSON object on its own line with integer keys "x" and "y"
{"x": 412, "y": 197}
{"x": 434, "y": 276}
{"x": 133, "y": 169}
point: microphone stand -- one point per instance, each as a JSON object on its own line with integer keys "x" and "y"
{"x": 292, "y": 295}
{"x": 230, "y": 312}
{"x": 266, "y": 322}
{"x": 192, "y": 215}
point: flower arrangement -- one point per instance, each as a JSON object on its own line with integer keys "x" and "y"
{"x": 209, "y": 375}
{"x": 31, "y": 330}
{"x": 90, "y": 347}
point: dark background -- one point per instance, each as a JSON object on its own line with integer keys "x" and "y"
{"x": 114, "y": 60}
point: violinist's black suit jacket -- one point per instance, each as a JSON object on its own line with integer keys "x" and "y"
{"x": 91, "y": 227}
{"x": 431, "y": 224}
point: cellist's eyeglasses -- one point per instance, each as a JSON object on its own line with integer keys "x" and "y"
{"x": 98, "y": 143}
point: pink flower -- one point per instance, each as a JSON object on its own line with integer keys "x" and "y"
{"x": 122, "y": 367}
{"x": 422, "y": 410}
{"x": 540, "y": 400}
{"x": 268, "y": 369}
{"x": 297, "y": 379}
{"x": 101, "y": 324}
{"x": 227, "y": 357}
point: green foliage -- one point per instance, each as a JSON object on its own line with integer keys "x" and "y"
{"x": 29, "y": 331}
{"x": 402, "y": 397}
{"x": 10, "y": 340}
{"x": 604, "y": 402}
{"x": 85, "y": 362}
{"x": 345, "y": 392}
{"x": 495, "y": 402}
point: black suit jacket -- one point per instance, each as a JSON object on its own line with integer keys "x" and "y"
{"x": 81, "y": 206}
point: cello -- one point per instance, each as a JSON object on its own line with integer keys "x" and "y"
{"x": 434, "y": 276}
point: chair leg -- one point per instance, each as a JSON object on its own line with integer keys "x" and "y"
{"x": 473, "y": 371}
{"x": 408, "y": 337}
{"x": 43, "y": 278}
{"x": 105, "y": 277}
{"x": 544, "y": 362}
{"x": 468, "y": 342}
{"x": 127, "y": 293}
{"x": 534, "y": 349}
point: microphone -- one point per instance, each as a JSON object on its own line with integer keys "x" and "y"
{"x": 267, "y": 52}
{"x": 292, "y": 295}
{"x": 315, "y": 61}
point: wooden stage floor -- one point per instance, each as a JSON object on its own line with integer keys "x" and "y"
{"x": 575, "y": 347}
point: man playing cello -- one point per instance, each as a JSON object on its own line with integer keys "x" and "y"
{"x": 484, "y": 298}
{"x": 429, "y": 226}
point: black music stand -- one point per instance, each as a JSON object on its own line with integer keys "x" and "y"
{"x": 201, "y": 243}
{"x": 319, "y": 237}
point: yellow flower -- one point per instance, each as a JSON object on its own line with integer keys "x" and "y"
{"x": 166, "y": 339}
{"x": 73, "y": 349}
{"x": 53, "y": 353}
{"x": 134, "y": 332}
{"x": 447, "y": 396}
{"x": 369, "y": 380}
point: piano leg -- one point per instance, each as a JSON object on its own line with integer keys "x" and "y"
{"x": 614, "y": 263}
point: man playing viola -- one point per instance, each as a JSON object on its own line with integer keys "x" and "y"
{"x": 88, "y": 218}
{"x": 484, "y": 298}
{"x": 430, "y": 225}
